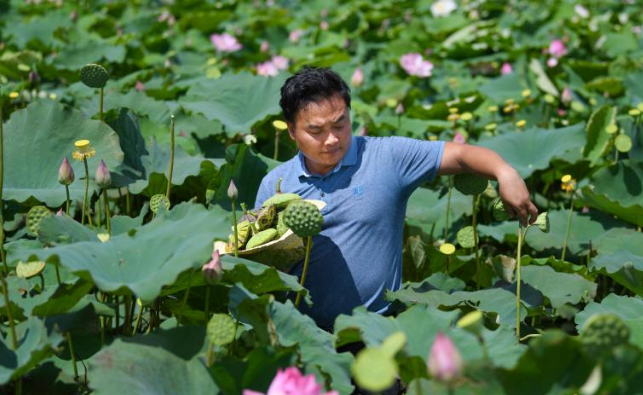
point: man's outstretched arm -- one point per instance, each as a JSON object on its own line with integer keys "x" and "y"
{"x": 464, "y": 158}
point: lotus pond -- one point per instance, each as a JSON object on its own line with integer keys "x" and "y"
{"x": 124, "y": 124}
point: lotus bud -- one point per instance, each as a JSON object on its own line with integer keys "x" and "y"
{"x": 212, "y": 271}
{"x": 103, "y": 177}
{"x": 33, "y": 77}
{"x": 399, "y": 110}
{"x": 445, "y": 362}
{"x": 506, "y": 69}
{"x": 542, "y": 221}
{"x": 358, "y": 78}
{"x": 566, "y": 97}
{"x": 472, "y": 322}
{"x": 232, "y": 191}
{"x": 65, "y": 173}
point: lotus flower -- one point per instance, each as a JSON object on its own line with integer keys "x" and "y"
{"x": 358, "y": 78}
{"x": 291, "y": 382}
{"x": 103, "y": 177}
{"x": 414, "y": 64}
{"x": 459, "y": 138}
{"x": 557, "y": 49}
{"x": 295, "y": 35}
{"x": 445, "y": 362}
{"x": 566, "y": 97}
{"x": 139, "y": 86}
{"x": 225, "y": 42}
{"x": 232, "y": 191}
{"x": 267, "y": 69}
{"x": 506, "y": 69}
{"x": 443, "y": 8}
{"x": 323, "y": 25}
{"x": 212, "y": 271}
{"x": 399, "y": 110}
{"x": 265, "y": 46}
{"x": 280, "y": 62}
{"x": 65, "y": 173}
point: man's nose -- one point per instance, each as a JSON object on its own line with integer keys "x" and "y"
{"x": 331, "y": 139}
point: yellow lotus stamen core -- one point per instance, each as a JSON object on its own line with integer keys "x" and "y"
{"x": 13, "y": 95}
{"x": 521, "y": 123}
{"x": 466, "y": 116}
{"x": 635, "y": 112}
{"x": 566, "y": 178}
{"x": 281, "y": 125}
{"x": 492, "y": 108}
{"x": 453, "y": 110}
{"x": 81, "y": 143}
{"x": 447, "y": 248}
{"x": 83, "y": 150}
{"x": 526, "y": 93}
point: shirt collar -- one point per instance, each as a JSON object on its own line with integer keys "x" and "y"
{"x": 349, "y": 159}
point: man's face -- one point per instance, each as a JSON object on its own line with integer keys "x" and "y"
{"x": 322, "y": 131}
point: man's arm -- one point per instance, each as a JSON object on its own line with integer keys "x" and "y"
{"x": 464, "y": 158}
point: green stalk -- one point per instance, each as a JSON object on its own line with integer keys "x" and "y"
{"x": 446, "y": 225}
{"x": 276, "y": 154}
{"x": 521, "y": 237}
{"x": 138, "y": 316}
{"x": 127, "y": 202}
{"x": 98, "y": 204}
{"x": 85, "y": 208}
{"x": 71, "y": 352}
{"x": 67, "y": 202}
{"x": 100, "y": 110}
{"x": 236, "y": 232}
{"x": 210, "y": 357}
{"x": 108, "y": 220}
{"x": 169, "y": 177}
{"x": 186, "y": 295}
{"x": 207, "y": 301}
{"x": 476, "y": 199}
{"x": 128, "y": 310}
{"x": 569, "y": 225}
{"x": 309, "y": 244}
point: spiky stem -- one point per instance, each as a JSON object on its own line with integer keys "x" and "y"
{"x": 108, "y": 220}
{"x": 85, "y": 208}
{"x": 236, "y": 232}
{"x": 309, "y": 244}
{"x": 476, "y": 199}
{"x": 169, "y": 176}
{"x": 568, "y": 228}
{"x": 446, "y": 224}
{"x": 100, "y": 109}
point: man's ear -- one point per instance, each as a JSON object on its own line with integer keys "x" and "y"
{"x": 291, "y": 130}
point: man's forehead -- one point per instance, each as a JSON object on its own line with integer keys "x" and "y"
{"x": 323, "y": 110}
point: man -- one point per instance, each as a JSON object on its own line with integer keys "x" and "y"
{"x": 366, "y": 183}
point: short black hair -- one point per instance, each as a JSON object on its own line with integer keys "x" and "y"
{"x": 310, "y": 85}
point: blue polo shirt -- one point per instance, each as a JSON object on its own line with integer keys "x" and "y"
{"x": 358, "y": 254}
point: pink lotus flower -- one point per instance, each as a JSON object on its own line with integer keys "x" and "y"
{"x": 102, "y": 177}
{"x": 265, "y": 46}
{"x": 292, "y": 382}
{"x": 358, "y": 78}
{"x": 459, "y": 138}
{"x": 323, "y": 25}
{"x": 280, "y": 62}
{"x": 399, "y": 110}
{"x": 506, "y": 69}
{"x": 139, "y": 86}
{"x": 65, "y": 173}
{"x": 295, "y": 35}
{"x": 557, "y": 49}
{"x": 212, "y": 271}
{"x": 414, "y": 64}
{"x": 267, "y": 69}
{"x": 552, "y": 62}
{"x": 225, "y": 42}
{"x": 566, "y": 97}
{"x": 445, "y": 362}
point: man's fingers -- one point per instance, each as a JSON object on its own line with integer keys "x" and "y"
{"x": 522, "y": 215}
{"x": 533, "y": 210}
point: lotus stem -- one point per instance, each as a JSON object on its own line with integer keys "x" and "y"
{"x": 85, "y": 207}
{"x": 71, "y": 352}
{"x": 108, "y": 220}
{"x": 446, "y": 225}
{"x": 276, "y": 153}
{"x": 169, "y": 176}
{"x": 207, "y": 301}
{"x": 309, "y": 244}
{"x": 184, "y": 302}
{"x": 210, "y": 356}
{"x": 236, "y": 232}
{"x": 128, "y": 310}
{"x": 138, "y": 316}
{"x": 521, "y": 239}
{"x": 98, "y": 210}
{"x": 568, "y": 228}
{"x": 100, "y": 109}
{"x": 476, "y": 199}
{"x": 127, "y": 202}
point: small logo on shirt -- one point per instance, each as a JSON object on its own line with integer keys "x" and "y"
{"x": 358, "y": 191}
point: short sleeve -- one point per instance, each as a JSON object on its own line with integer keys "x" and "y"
{"x": 417, "y": 161}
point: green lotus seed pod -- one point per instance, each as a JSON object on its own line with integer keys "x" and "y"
{"x": 282, "y": 228}
{"x": 303, "y": 218}
{"x": 604, "y": 331}
{"x": 499, "y": 212}
{"x": 157, "y": 200}
{"x": 542, "y": 221}
{"x": 34, "y": 216}
{"x": 469, "y": 184}
{"x": 623, "y": 143}
{"x": 262, "y": 238}
{"x": 243, "y": 234}
{"x": 281, "y": 200}
{"x": 221, "y": 329}
{"x": 266, "y": 217}
{"x": 94, "y": 76}
{"x": 466, "y": 237}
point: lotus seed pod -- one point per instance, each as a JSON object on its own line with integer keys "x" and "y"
{"x": 262, "y": 238}
{"x": 303, "y": 218}
{"x": 94, "y": 76}
{"x": 469, "y": 184}
{"x": 604, "y": 331}
{"x": 281, "y": 200}
{"x": 29, "y": 269}
{"x": 465, "y": 237}
{"x": 282, "y": 228}
{"x": 266, "y": 217}
{"x": 34, "y": 216}
{"x": 157, "y": 200}
{"x": 623, "y": 143}
{"x": 221, "y": 329}
{"x": 472, "y": 322}
{"x": 243, "y": 233}
{"x": 65, "y": 173}
{"x": 499, "y": 212}
{"x": 542, "y": 221}
{"x": 103, "y": 177}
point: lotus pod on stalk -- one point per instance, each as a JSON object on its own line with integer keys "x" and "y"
{"x": 542, "y": 221}
{"x": 157, "y": 200}
{"x": 499, "y": 212}
{"x": 94, "y": 76}
{"x": 466, "y": 237}
{"x": 35, "y": 215}
{"x": 470, "y": 184}
{"x": 221, "y": 329}
{"x": 303, "y": 218}
{"x": 604, "y": 331}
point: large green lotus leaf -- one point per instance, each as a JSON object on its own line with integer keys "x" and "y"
{"x": 625, "y": 267}
{"x": 628, "y": 309}
{"x": 143, "y": 260}
{"x": 533, "y": 149}
{"x": 237, "y": 100}
{"x": 41, "y": 29}
{"x": 634, "y": 82}
{"x": 63, "y": 230}
{"x": 136, "y": 101}
{"x": 542, "y": 80}
{"x": 427, "y": 210}
{"x": 184, "y": 342}
{"x": 74, "y": 56}
{"x": 127, "y": 127}
{"x": 495, "y": 300}
{"x": 131, "y": 368}
{"x": 34, "y": 345}
{"x": 503, "y": 88}
{"x": 36, "y": 141}
{"x": 553, "y": 362}
{"x": 598, "y": 140}
{"x": 618, "y": 190}
{"x": 560, "y": 288}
